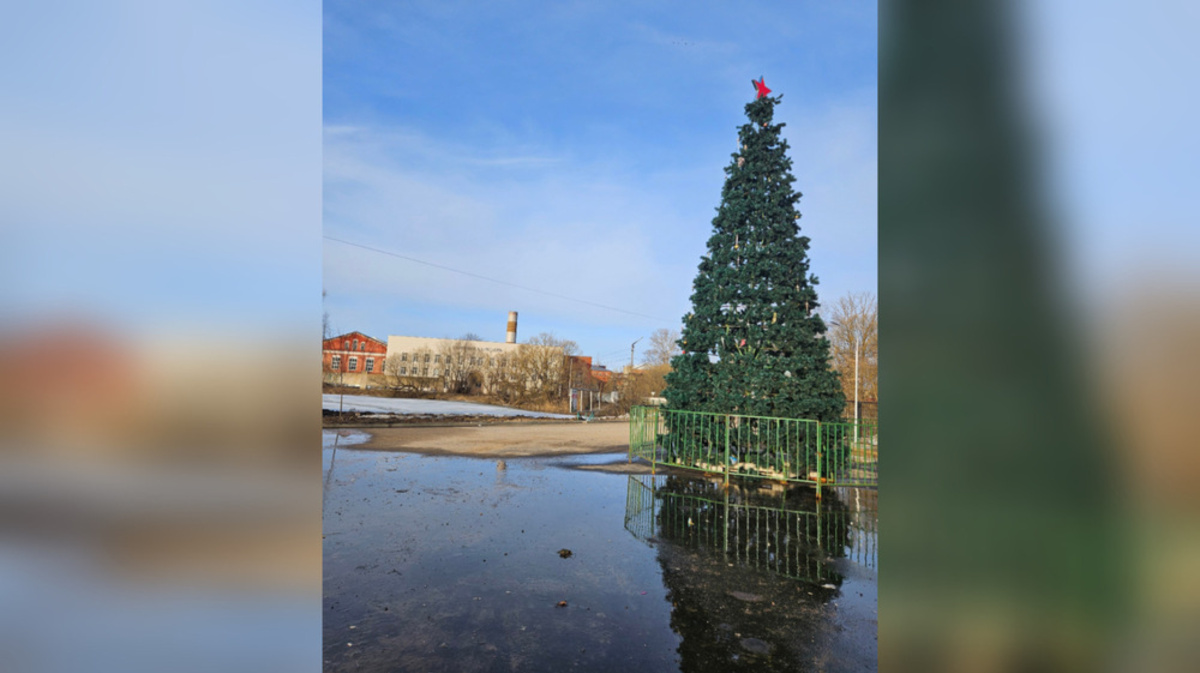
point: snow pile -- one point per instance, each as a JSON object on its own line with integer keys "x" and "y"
{"x": 389, "y": 405}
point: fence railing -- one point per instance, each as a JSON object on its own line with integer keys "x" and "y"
{"x": 782, "y": 449}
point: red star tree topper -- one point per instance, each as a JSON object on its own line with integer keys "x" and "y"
{"x": 761, "y": 87}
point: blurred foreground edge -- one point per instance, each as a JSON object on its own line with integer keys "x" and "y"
{"x": 162, "y": 481}
{"x": 1040, "y": 496}
{"x": 999, "y": 531}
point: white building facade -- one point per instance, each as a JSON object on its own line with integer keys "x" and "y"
{"x": 422, "y": 356}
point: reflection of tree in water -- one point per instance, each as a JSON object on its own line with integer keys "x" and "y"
{"x": 731, "y": 561}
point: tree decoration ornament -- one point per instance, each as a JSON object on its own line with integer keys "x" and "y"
{"x": 761, "y": 88}
{"x": 739, "y": 290}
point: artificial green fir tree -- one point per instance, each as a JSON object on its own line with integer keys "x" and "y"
{"x": 753, "y": 342}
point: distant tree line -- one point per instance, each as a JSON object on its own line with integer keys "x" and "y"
{"x": 538, "y": 371}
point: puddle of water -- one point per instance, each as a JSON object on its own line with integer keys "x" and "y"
{"x": 342, "y": 438}
{"x": 591, "y": 459}
{"x": 453, "y": 564}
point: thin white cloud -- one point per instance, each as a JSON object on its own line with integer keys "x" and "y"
{"x": 683, "y": 42}
{"x": 576, "y": 232}
{"x": 618, "y": 234}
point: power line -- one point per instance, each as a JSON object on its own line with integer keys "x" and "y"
{"x": 494, "y": 280}
{"x": 613, "y": 352}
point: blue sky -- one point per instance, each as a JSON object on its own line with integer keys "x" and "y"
{"x": 577, "y": 149}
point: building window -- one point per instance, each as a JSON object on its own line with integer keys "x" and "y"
{"x": 404, "y": 357}
{"x": 346, "y": 344}
{"x": 424, "y": 371}
{"x": 404, "y": 371}
{"x": 427, "y": 358}
{"x": 356, "y": 344}
{"x": 436, "y": 372}
{"x": 353, "y": 364}
{"x": 336, "y": 363}
{"x": 437, "y": 358}
{"x": 370, "y": 365}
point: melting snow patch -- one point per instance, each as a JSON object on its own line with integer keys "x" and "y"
{"x": 391, "y": 405}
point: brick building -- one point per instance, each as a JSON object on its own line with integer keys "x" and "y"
{"x": 353, "y": 359}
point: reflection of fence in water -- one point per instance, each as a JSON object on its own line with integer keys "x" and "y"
{"x": 640, "y": 508}
{"x": 863, "y": 506}
{"x": 789, "y": 536}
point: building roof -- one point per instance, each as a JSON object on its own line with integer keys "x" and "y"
{"x": 356, "y": 335}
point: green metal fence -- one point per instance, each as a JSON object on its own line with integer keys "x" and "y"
{"x": 783, "y": 449}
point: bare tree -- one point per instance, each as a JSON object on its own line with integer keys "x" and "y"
{"x": 503, "y": 378}
{"x": 542, "y": 365}
{"x": 854, "y": 337}
{"x": 325, "y": 328}
{"x": 638, "y": 385}
{"x": 548, "y": 340}
{"x": 470, "y": 336}
{"x": 326, "y": 333}
{"x": 461, "y": 364}
{"x": 413, "y": 375}
{"x": 535, "y": 372}
{"x": 664, "y": 345}
{"x": 398, "y": 376}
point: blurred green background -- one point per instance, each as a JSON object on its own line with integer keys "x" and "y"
{"x": 1038, "y": 309}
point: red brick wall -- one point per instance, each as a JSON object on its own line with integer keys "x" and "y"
{"x": 360, "y": 347}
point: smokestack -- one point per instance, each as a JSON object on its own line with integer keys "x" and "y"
{"x": 511, "y": 337}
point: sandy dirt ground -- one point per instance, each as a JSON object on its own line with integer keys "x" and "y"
{"x": 501, "y": 441}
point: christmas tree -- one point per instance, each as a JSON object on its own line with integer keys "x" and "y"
{"x": 753, "y": 342}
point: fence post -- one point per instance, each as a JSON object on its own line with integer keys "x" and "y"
{"x": 726, "y": 452}
{"x": 632, "y": 434}
{"x": 654, "y": 448}
{"x": 818, "y": 465}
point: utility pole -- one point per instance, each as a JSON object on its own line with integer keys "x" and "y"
{"x": 631, "y": 355}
